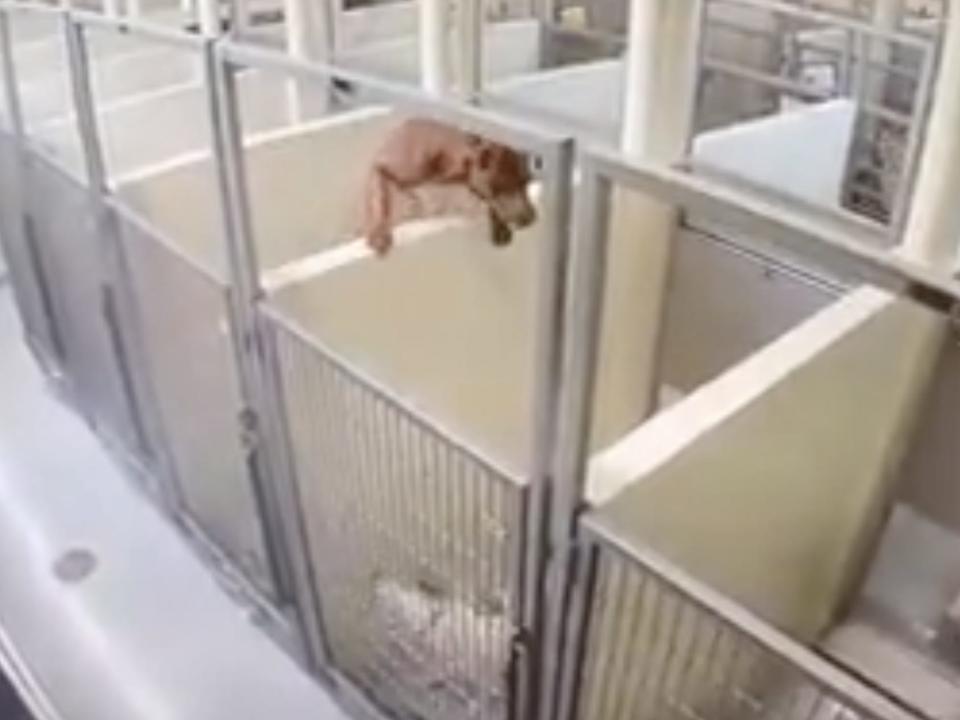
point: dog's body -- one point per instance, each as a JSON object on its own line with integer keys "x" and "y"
{"x": 421, "y": 152}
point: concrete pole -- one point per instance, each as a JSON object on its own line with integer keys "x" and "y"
{"x": 310, "y": 39}
{"x": 209, "y": 17}
{"x": 435, "y": 46}
{"x": 932, "y": 232}
{"x": 660, "y": 74}
{"x": 111, "y": 8}
{"x": 470, "y": 27}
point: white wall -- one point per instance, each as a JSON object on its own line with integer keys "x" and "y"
{"x": 587, "y": 98}
{"x": 306, "y": 183}
{"x": 803, "y": 152}
{"x": 510, "y": 48}
{"x": 770, "y": 482}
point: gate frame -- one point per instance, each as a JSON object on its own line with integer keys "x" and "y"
{"x": 261, "y": 367}
{"x": 271, "y": 610}
{"x": 771, "y": 229}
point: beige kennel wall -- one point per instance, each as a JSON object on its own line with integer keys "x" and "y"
{"x": 135, "y": 73}
{"x": 771, "y": 481}
{"x": 148, "y": 132}
{"x": 509, "y": 48}
{"x": 305, "y": 180}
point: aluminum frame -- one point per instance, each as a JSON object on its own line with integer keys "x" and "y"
{"x": 556, "y": 157}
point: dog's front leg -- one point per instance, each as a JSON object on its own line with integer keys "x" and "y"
{"x": 500, "y": 232}
{"x": 379, "y": 212}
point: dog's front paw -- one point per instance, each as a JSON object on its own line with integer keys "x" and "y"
{"x": 500, "y": 233}
{"x": 380, "y": 242}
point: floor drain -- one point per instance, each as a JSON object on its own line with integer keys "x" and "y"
{"x": 75, "y": 565}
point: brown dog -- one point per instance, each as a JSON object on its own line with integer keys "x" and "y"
{"x": 423, "y": 152}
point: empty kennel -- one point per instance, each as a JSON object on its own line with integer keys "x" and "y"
{"x": 730, "y": 534}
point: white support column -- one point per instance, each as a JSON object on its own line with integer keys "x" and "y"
{"x": 470, "y": 26}
{"x": 208, "y": 12}
{"x": 662, "y": 50}
{"x": 134, "y": 9}
{"x": 435, "y": 46}
{"x": 309, "y": 25}
{"x": 111, "y": 8}
{"x": 932, "y": 233}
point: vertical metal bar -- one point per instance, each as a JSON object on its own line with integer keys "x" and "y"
{"x": 557, "y": 169}
{"x": 916, "y": 135}
{"x": 271, "y": 466}
{"x": 85, "y": 111}
{"x": 226, "y": 136}
{"x": 696, "y": 82}
{"x": 845, "y": 79}
{"x": 307, "y": 604}
{"x": 575, "y": 409}
{"x": 581, "y": 615}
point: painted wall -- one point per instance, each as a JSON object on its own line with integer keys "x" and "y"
{"x": 114, "y": 78}
{"x": 306, "y": 183}
{"x": 509, "y": 48}
{"x": 803, "y": 153}
{"x": 547, "y": 95}
{"x": 178, "y": 122}
{"x": 770, "y": 482}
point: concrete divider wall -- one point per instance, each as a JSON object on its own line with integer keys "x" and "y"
{"x": 771, "y": 482}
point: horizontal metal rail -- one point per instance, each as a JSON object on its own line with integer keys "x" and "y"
{"x": 497, "y": 126}
{"x": 778, "y": 225}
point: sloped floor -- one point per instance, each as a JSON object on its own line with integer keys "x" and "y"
{"x": 105, "y": 613}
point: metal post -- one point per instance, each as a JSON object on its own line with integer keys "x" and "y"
{"x": 270, "y": 463}
{"x": 575, "y": 412}
{"x": 556, "y": 202}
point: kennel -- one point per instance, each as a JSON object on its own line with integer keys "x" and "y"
{"x": 649, "y": 640}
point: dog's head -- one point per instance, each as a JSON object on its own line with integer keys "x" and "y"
{"x": 500, "y": 176}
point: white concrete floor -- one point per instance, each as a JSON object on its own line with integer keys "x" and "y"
{"x": 147, "y": 633}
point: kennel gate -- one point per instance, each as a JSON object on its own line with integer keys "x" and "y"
{"x": 637, "y": 636}
{"x": 66, "y": 243}
{"x": 187, "y": 309}
{"x": 417, "y": 560}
